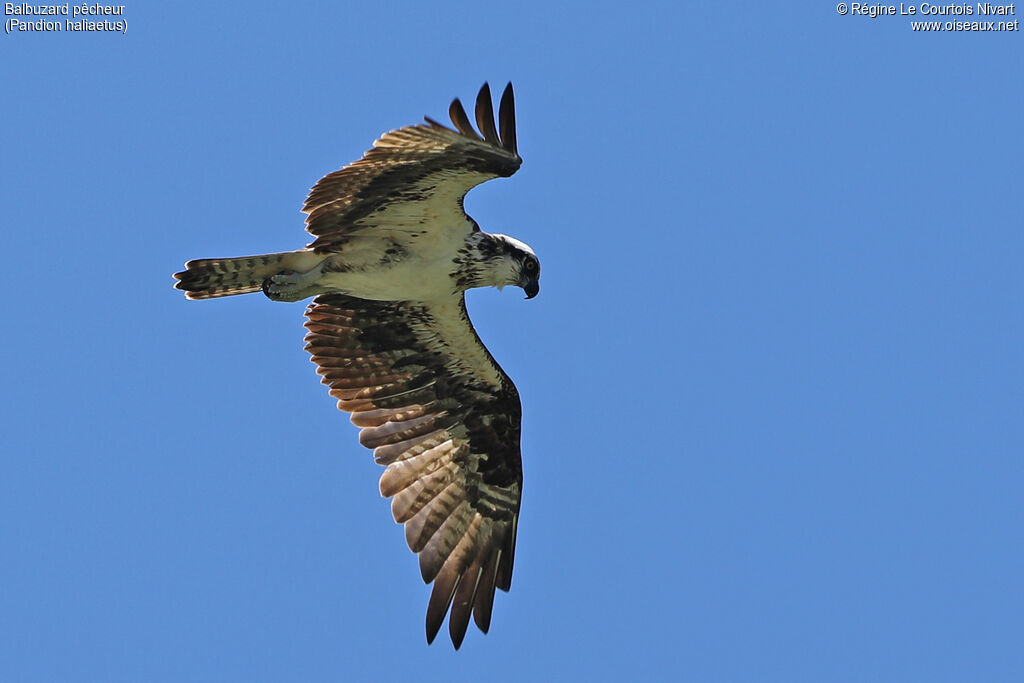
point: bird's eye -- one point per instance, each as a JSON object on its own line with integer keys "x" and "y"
{"x": 531, "y": 265}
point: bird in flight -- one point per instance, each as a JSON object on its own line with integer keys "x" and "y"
{"x": 392, "y": 256}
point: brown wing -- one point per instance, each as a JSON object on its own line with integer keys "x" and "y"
{"x": 416, "y": 175}
{"x": 444, "y": 419}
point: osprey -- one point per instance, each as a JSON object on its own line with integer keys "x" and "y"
{"x": 393, "y": 254}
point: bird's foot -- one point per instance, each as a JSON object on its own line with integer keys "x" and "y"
{"x": 285, "y": 286}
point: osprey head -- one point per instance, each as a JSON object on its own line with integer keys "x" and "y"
{"x": 520, "y": 265}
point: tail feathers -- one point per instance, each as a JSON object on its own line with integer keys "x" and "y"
{"x": 216, "y": 277}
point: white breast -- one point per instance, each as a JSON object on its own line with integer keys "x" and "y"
{"x": 418, "y": 269}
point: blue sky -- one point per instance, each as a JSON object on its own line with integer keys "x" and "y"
{"x": 772, "y": 386}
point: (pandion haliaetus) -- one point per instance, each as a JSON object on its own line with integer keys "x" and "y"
{"x": 393, "y": 254}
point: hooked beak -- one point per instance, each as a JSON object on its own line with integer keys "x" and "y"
{"x": 532, "y": 288}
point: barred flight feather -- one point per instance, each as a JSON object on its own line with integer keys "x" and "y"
{"x": 452, "y": 467}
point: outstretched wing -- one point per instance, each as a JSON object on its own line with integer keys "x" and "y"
{"x": 416, "y": 176}
{"x": 444, "y": 419}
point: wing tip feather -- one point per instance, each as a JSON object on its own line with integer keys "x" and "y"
{"x": 503, "y": 134}
{"x": 485, "y": 115}
{"x": 457, "y": 113}
{"x": 507, "y": 119}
